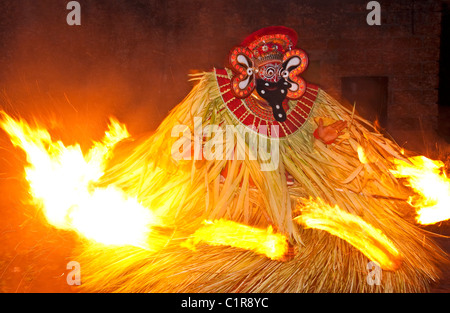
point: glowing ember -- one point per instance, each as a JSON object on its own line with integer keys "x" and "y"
{"x": 62, "y": 180}
{"x": 228, "y": 233}
{"x": 353, "y": 229}
{"x": 427, "y": 178}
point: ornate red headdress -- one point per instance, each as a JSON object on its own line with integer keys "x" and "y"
{"x": 268, "y": 61}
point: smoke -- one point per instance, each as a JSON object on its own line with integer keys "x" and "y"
{"x": 77, "y": 76}
{"x": 130, "y": 59}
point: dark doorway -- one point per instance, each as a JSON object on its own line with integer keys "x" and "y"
{"x": 370, "y": 95}
{"x": 444, "y": 73}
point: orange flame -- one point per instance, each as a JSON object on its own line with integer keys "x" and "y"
{"x": 427, "y": 178}
{"x": 377, "y": 125}
{"x": 62, "y": 180}
{"x": 228, "y": 233}
{"x": 351, "y": 228}
{"x": 361, "y": 155}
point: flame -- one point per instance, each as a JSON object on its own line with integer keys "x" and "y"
{"x": 377, "y": 125}
{"x": 351, "y": 228}
{"x": 228, "y": 233}
{"x": 361, "y": 155}
{"x": 427, "y": 178}
{"x": 62, "y": 180}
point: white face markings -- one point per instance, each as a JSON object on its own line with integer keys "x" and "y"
{"x": 295, "y": 62}
{"x": 243, "y": 84}
{"x": 243, "y": 60}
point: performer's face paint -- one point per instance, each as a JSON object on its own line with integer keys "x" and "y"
{"x": 274, "y": 93}
{"x": 272, "y": 86}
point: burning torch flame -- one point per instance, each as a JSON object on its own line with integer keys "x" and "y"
{"x": 62, "y": 180}
{"x": 228, "y": 233}
{"x": 351, "y": 228}
{"x": 427, "y": 178}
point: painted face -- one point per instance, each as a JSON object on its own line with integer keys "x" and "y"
{"x": 273, "y": 87}
{"x": 270, "y": 72}
{"x": 273, "y": 80}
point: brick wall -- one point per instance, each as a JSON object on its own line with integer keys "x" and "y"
{"x": 131, "y": 58}
{"x": 405, "y": 48}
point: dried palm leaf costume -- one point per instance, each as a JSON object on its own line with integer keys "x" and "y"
{"x": 263, "y": 96}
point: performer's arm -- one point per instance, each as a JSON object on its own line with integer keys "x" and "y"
{"x": 328, "y": 134}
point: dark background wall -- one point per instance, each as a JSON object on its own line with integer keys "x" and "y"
{"x": 444, "y": 73}
{"x": 132, "y": 58}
